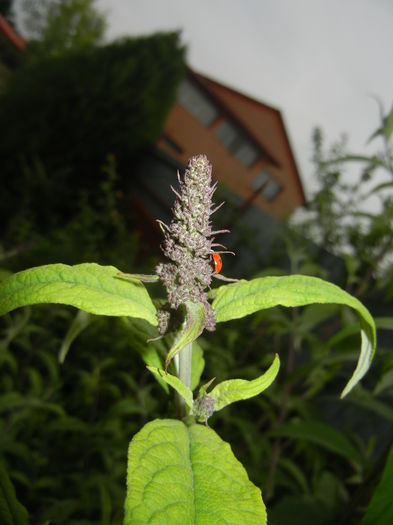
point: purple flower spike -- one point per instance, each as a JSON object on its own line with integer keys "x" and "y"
{"x": 188, "y": 242}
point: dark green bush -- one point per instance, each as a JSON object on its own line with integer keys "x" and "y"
{"x": 67, "y": 114}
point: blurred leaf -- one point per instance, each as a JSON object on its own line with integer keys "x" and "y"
{"x": 388, "y": 125}
{"x": 296, "y": 473}
{"x": 125, "y": 407}
{"x": 373, "y": 160}
{"x": 385, "y": 382}
{"x": 365, "y": 400}
{"x": 106, "y": 505}
{"x": 140, "y": 332}
{"x": 80, "y": 322}
{"x": 342, "y": 334}
{"x": 380, "y": 509}
{"x": 36, "y": 383}
{"x": 10, "y": 400}
{"x": 386, "y": 129}
{"x": 384, "y": 323}
{"x": 322, "y": 435}
{"x": 310, "y": 317}
{"x": 11, "y": 511}
{"x": 4, "y": 273}
{"x": 382, "y": 186}
{"x": 187, "y": 475}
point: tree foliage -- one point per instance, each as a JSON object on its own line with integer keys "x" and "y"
{"x": 55, "y": 27}
{"x": 64, "y": 115}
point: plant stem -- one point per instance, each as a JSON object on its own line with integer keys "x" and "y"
{"x": 185, "y": 364}
{"x": 185, "y": 355}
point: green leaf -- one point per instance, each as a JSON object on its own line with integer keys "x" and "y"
{"x": 192, "y": 327}
{"x": 303, "y": 509}
{"x": 296, "y": 473}
{"x": 353, "y": 157}
{"x": 234, "y": 390}
{"x": 376, "y": 134}
{"x": 321, "y": 434}
{"x": 4, "y": 273}
{"x": 388, "y": 125}
{"x": 381, "y": 186}
{"x": 237, "y": 300}
{"x": 175, "y": 383}
{"x": 367, "y": 401}
{"x": 89, "y": 287}
{"x": 11, "y": 511}
{"x": 179, "y": 475}
{"x": 81, "y": 322}
{"x": 380, "y": 509}
{"x": 384, "y": 323}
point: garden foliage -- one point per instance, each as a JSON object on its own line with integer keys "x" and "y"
{"x": 105, "y": 290}
{"x": 74, "y": 388}
{"x": 95, "y": 102}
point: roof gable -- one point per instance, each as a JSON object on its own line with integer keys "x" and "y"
{"x": 264, "y": 123}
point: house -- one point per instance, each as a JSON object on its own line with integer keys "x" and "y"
{"x": 244, "y": 139}
{"x": 247, "y": 144}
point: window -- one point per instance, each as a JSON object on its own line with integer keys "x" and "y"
{"x": 171, "y": 143}
{"x": 236, "y": 143}
{"x": 268, "y": 185}
{"x": 196, "y": 103}
{"x": 246, "y": 154}
{"x": 227, "y": 135}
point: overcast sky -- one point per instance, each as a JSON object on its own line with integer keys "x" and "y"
{"x": 318, "y": 61}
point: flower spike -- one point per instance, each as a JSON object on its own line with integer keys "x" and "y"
{"x": 188, "y": 242}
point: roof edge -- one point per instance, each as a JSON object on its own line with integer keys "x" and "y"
{"x": 272, "y": 109}
{"x": 9, "y": 32}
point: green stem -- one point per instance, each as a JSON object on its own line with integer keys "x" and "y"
{"x": 185, "y": 364}
{"x": 185, "y": 370}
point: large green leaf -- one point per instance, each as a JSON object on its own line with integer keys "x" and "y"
{"x": 89, "y": 287}
{"x": 180, "y": 475}
{"x": 11, "y": 511}
{"x": 380, "y": 509}
{"x": 234, "y": 390}
{"x": 246, "y": 297}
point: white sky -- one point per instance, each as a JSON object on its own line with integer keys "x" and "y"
{"x": 318, "y": 61}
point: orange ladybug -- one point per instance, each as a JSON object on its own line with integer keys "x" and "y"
{"x": 217, "y": 262}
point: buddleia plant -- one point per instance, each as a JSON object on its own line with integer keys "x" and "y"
{"x": 179, "y": 470}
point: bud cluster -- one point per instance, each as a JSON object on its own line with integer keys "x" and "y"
{"x": 188, "y": 241}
